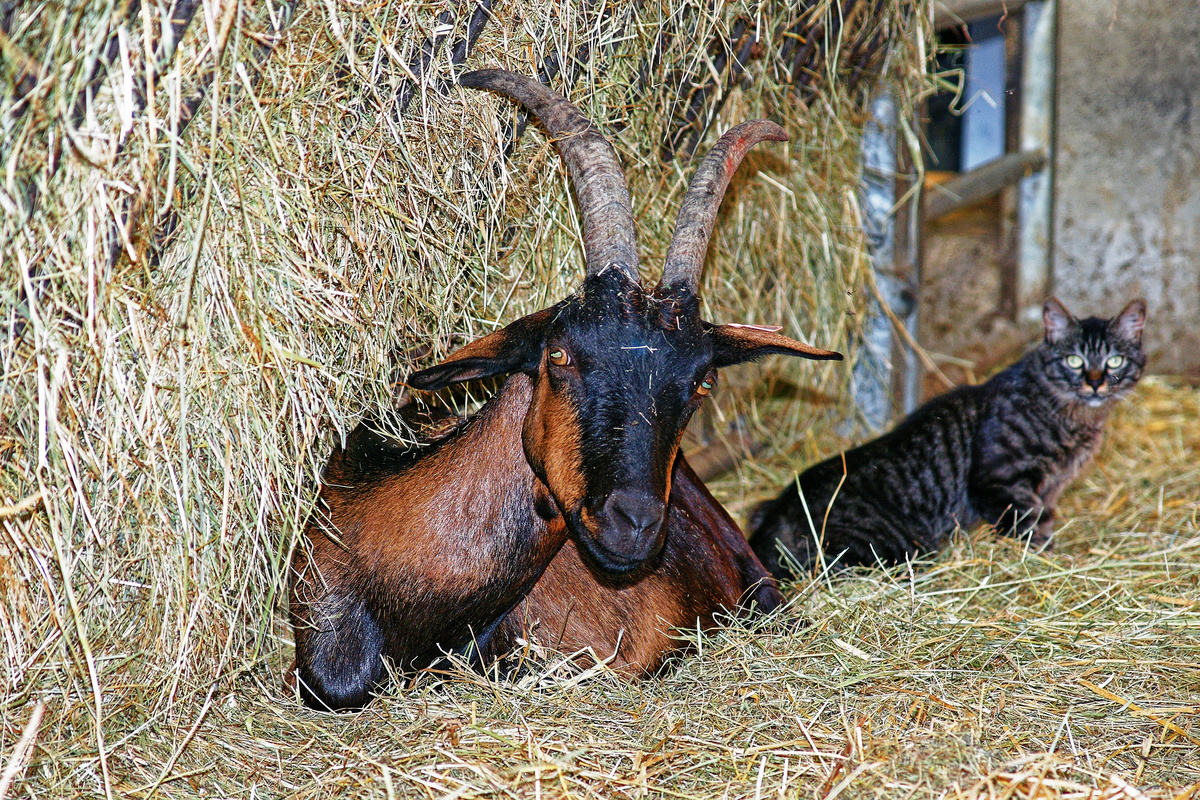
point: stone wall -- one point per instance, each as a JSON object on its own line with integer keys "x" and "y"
{"x": 1127, "y": 216}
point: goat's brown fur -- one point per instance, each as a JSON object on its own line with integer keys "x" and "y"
{"x": 423, "y": 550}
{"x": 551, "y": 438}
{"x": 706, "y": 570}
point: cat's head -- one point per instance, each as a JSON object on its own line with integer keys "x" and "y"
{"x": 1093, "y": 361}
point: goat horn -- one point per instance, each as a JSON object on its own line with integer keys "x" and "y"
{"x": 609, "y": 237}
{"x": 698, "y": 212}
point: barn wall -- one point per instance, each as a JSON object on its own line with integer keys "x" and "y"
{"x": 1127, "y": 219}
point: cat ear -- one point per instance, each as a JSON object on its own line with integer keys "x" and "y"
{"x": 1057, "y": 319}
{"x": 1128, "y": 324}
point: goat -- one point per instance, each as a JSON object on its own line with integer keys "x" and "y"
{"x": 416, "y": 552}
{"x": 706, "y": 569}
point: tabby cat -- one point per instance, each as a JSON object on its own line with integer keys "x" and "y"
{"x": 1000, "y": 452}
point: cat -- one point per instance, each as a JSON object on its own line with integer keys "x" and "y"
{"x": 1000, "y": 452}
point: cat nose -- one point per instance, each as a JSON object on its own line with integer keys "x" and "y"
{"x": 1095, "y": 379}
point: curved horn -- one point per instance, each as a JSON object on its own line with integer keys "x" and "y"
{"x": 698, "y": 212}
{"x": 609, "y": 237}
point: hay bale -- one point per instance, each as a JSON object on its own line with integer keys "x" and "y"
{"x": 231, "y": 230}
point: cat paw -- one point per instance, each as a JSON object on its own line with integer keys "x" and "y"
{"x": 1041, "y": 535}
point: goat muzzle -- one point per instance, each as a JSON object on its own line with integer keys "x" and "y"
{"x": 627, "y": 530}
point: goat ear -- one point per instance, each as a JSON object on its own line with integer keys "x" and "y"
{"x": 734, "y": 344}
{"x": 513, "y": 348}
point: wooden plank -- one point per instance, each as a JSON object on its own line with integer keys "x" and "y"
{"x": 982, "y": 182}
{"x": 1014, "y": 56}
{"x": 716, "y": 458}
{"x": 956, "y": 12}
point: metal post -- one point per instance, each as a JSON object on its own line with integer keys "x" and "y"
{"x": 871, "y": 381}
{"x": 906, "y": 268}
{"x": 1037, "y": 126}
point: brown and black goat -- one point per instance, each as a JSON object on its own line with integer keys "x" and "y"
{"x": 416, "y": 552}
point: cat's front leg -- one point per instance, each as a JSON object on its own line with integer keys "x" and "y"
{"x": 1045, "y": 528}
{"x": 1014, "y": 510}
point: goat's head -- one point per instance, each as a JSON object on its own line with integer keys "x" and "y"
{"x": 617, "y": 369}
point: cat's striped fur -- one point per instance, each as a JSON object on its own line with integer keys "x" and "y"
{"x": 1000, "y": 452}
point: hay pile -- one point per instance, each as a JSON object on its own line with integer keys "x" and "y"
{"x": 210, "y": 274}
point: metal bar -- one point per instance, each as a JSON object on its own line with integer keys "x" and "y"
{"x": 1036, "y": 205}
{"x": 907, "y": 270}
{"x": 871, "y": 379}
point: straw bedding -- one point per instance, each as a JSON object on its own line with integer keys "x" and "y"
{"x": 215, "y": 265}
{"x": 988, "y": 672}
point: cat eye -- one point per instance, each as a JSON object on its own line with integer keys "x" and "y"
{"x": 1075, "y": 362}
{"x": 1114, "y": 362}
{"x": 559, "y": 357}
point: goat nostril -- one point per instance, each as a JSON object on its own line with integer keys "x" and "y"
{"x": 636, "y": 511}
{"x": 630, "y": 530}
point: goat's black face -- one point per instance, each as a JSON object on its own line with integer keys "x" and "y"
{"x": 622, "y": 371}
{"x": 617, "y": 372}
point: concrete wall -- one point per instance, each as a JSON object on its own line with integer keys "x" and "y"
{"x": 1127, "y": 194}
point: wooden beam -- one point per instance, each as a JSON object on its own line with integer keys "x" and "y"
{"x": 956, "y": 12}
{"x": 716, "y": 458}
{"x": 982, "y": 182}
{"x": 1010, "y": 224}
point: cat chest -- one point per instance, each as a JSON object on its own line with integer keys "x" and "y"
{"x": 1066, "y": 466}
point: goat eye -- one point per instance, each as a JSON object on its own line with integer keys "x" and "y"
{"x": 706, "y": 386}
{"x": 559, "y": 357}
{"x": 1114, "y": 362}
{"x": 1075, "y": 362}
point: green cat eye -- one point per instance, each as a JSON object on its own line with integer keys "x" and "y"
{"x": 1114, "y": 362}
{"x": 1075, "y": 362}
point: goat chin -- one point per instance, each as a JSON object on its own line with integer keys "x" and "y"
{"x": 705, "y": 572}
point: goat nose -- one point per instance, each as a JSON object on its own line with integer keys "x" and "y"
{"x": 627, "y": 531}
{"x": 634, "y": 513}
